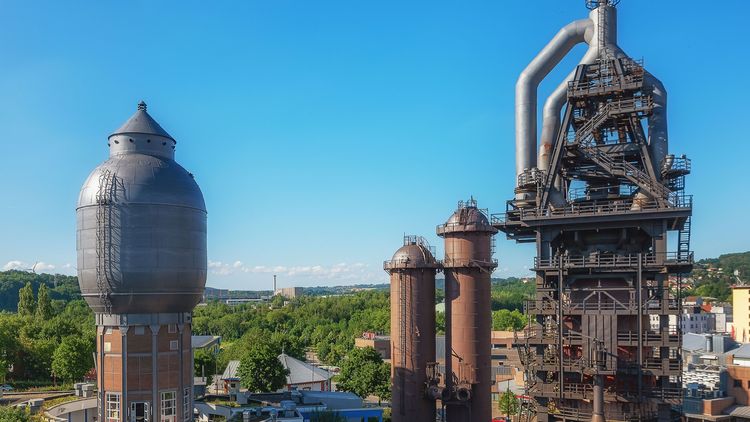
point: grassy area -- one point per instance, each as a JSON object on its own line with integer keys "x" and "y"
{"x": 48, "y": 404}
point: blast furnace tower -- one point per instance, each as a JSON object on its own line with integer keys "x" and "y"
{"x": 468, "y": 267}
{"x": 601, "y": 204}
{"x": 412, "y": 270}
{"x": 141, "y": 243}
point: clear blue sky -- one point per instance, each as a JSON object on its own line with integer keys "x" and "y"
{"x": 321, "y": 132}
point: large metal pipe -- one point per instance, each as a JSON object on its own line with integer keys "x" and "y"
{"x": 556, "y": 101}
{"x": 601, "y": 21}
{"x": 658, "y": 139}
{"x": 526, "y": 87}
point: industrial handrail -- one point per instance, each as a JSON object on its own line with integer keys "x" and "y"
{"x": 585, "y": 414}
{"x": 542, "y": 306}
{"x": 410, "y": 263}
{"x": 648, "y": 336}
{"x": 455, "y": 262}
{"x": 677, "y": 200}
{"x": 613, "y": 260}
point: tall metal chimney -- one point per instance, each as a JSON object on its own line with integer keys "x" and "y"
{"x": 468, "y": 268}
{"x": 141, "y": 241}
{"x": 412, "y": 270}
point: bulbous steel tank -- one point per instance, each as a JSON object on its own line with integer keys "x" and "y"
{"x": 141, "y": 226}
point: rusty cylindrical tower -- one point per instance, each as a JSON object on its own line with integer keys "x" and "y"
{"x": 412, "y": 270}
{"x": 468, "y": 268}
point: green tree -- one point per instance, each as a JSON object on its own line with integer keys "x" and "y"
{"x": 508, "y": 320}
{"x": 72, "y": 359}
{"x": 26, "y": 302}
{"x": 440, "y": 322}
{"x": 277, "y": 301}
{"x": 43, "y": 303}
{"x": 363, "y": 372}
{"x": 261, "y": 370}
{"x": 204, "y": 364}
{"x": 508, "y": 403}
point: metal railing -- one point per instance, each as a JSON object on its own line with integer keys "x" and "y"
{"x": 661, "y": 364}
{"x": 454, "y": 262}
{"x": 586, "y": 414}
{"x": 612, "y": 260}
{"x": 548, "y": 307}
{"x": 618, "y": 206}
{"x": 648, "y": 337}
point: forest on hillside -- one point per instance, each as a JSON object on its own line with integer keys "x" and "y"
{"x": 42, "y": 312}
{"x": 62, "y": 288}
{"x": 715, "y": 277}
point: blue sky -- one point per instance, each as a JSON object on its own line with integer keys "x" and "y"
{"x": 321, "y": 132}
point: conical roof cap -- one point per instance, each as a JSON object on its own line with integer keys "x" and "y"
{"x": 142, "y": 123}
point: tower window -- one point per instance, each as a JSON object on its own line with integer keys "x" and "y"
{"x": 187, "y": 411}
{"x": 112, "y": 412}
{"x": 173, "y": 345}
{"x": 168, "y": 405}
{"x": 172, "y": 328}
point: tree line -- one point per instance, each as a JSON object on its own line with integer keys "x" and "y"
{"x": 46, "y": 340}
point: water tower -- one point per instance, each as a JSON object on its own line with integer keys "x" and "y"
{"x": 141, "y": 241}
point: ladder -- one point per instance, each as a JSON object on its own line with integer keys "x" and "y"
{"x": 104, "y": 209}
{"x": 683, "y": 241}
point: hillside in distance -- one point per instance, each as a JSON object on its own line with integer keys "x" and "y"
{"x": 61, "y": 287}
{"x": 712, "y": 277}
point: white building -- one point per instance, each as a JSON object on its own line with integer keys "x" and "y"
{"x": 723, "y": 315}
{"x": 697, "y": 323}
{"x": 302, "y": 376}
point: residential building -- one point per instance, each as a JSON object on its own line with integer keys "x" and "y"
{"x": 302, "y": 376}
{"x": 378, "y": 342}
{"x": 724, "y": 317}
{"x": 741, "y": 313}
{"x": 692, "y": 320}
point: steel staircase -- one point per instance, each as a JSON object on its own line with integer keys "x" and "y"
{"x": 683, "y": 241}
{"x": 627, "y": 170}
{"x": 585, "y": 140}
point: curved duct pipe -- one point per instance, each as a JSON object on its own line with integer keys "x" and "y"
{"x": 556, "y": 101}
{"x": 528, "y": 82}
{"x": 658, "y": 139}
{"x": 586, "y": 30}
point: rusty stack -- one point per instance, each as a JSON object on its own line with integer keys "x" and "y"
{"x": 468, "y": 268}
{"x": 412, "y": 270}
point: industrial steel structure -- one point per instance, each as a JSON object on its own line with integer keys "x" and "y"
{"x": 412, "y": 270}
{"x": 141, "y": 241}
{"x": 601, "y": 203}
